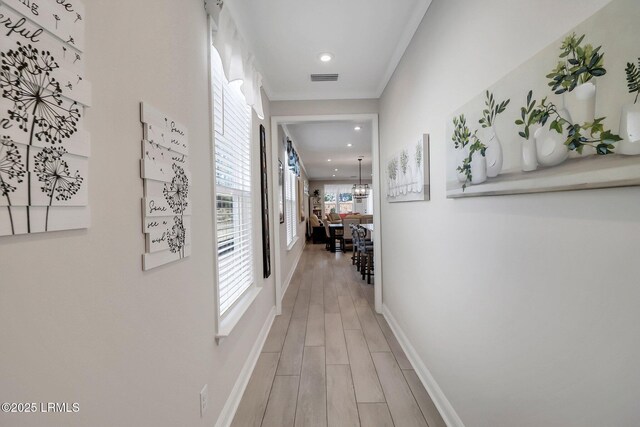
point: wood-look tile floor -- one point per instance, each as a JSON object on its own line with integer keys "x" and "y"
{"x": 330, "y": 360}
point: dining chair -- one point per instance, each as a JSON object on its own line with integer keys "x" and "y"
{"x": 365, "y": 254}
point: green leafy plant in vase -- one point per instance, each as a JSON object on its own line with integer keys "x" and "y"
{"x": 392, "y": 176}
{"x": 556, "y": 128}
{"x": 630, "y": 117}
{"x": 460, "y": 138}
{"x": 474, "y": 166}
{"x": 494, "y": 155}
{"x": 574, "y": 77}
{"x": 530, "y": 121}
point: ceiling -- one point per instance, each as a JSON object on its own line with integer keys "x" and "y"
{"x": 317, "y": 142}
{"x": 367, "y": 39}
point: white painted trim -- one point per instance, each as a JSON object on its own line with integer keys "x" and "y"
{"x": 377, "y": 179}
{"x": 230, "y": 319}
{"x": 447, "y": 412}
{"x": 212, "y": 160}
{"x": 275, "y": 219}
{"x": 231, "y": 405}
{"x": 287, "y": 282}
{"x": 293, "y": 242}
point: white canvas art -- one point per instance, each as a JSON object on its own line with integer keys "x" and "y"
{"x": 166, "y": 207}
{"x": 407, "y": 173}
{"x": 44, "y": 150}
{"x": 567, "y": 119}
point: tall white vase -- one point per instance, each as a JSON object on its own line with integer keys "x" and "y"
{"x": 550, "y": 147}
{"x": 629, "y": 130}
{"x": 478, "y": 168}
{"x": 494, "y": 155}
{"x": 529, "y": 155}
{"x": 581, "y": 105}
{"x": 461, "y": 155}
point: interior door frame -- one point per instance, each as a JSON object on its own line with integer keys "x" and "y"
{"x": 376, "y": 180}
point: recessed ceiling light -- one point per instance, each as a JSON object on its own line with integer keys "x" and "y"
{"x": 357, "y": 128}
{"x": 326, "y": 57}
{"x": 328, "y": 160}
{"x": 349, "y": 145}
{"x": 334, "y": 175}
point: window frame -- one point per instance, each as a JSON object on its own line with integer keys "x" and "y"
{"x": 291, "y": 207}
{"x": 225, "y": 322}
{"x": 336, "y": 195}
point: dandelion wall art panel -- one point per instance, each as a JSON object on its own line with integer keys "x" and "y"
{"x": 166, "y": 207}
{"x": 44, "y": 148}
{"x": 407, "y": 173}
{"x": 567, "y": 119}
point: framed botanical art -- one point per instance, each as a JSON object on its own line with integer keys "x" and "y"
{"x": 408, "y": 173}
{"x": 566, "y": 119}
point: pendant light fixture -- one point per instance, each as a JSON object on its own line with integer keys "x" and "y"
{"x": 360, "y": 191}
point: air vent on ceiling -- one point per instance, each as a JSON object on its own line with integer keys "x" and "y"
{"x": 324, "y": 77}
{"x": 353, "y": 176}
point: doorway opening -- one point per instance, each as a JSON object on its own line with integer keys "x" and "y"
{"x": 330, "y": 160}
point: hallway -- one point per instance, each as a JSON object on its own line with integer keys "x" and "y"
{"x": 329, "y": 360}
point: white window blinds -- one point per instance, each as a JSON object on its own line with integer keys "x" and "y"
{"x": 232, "y": 148}
{"x": 290, "y": 208}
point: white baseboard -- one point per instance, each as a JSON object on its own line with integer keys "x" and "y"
{"x": 287, "y": 282}
{"x": 232, "y": 403}
{"x": 447, "y": 412}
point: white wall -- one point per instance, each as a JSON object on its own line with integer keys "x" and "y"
{"x": 325, "y": 107}
{"x": 524, "y": 308}
{"x": 80, "y": 320}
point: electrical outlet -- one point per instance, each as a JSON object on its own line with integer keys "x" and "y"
{"x": 204, "y": 399}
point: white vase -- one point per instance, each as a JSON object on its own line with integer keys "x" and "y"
{"x": 629, "y": 130}
{"x": 461, "y": 155}
{"x": 493, "y": 155}
{"x": 529, "y": 155}
{"x": 478, "y": 168}
{"x": 550, "y": 147}
{"x": 419, "y": 179}
{"x": 580, "y": 103}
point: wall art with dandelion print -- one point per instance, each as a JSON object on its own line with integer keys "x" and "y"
{"x": 166, "y": 206}
{"x": 44, "y": 93}
{"x": 566, "y": 119}
{"x": 407, "y": 173}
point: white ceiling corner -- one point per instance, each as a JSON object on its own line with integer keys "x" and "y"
{"x": 368, "y": 39}
{"x": 411, "y": 28}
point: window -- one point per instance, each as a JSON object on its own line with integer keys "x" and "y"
{"x": 338, "y": 198}
{"x": 232, "y": 140}
{"x": 290, "y": 207}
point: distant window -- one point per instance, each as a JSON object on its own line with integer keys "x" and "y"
{"x": 338, "y": 198}
{"x": 290, "y": 208}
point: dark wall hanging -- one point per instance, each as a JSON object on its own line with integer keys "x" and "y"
{"x": 281, "y": 190}
{"x": 266, "y": 244}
